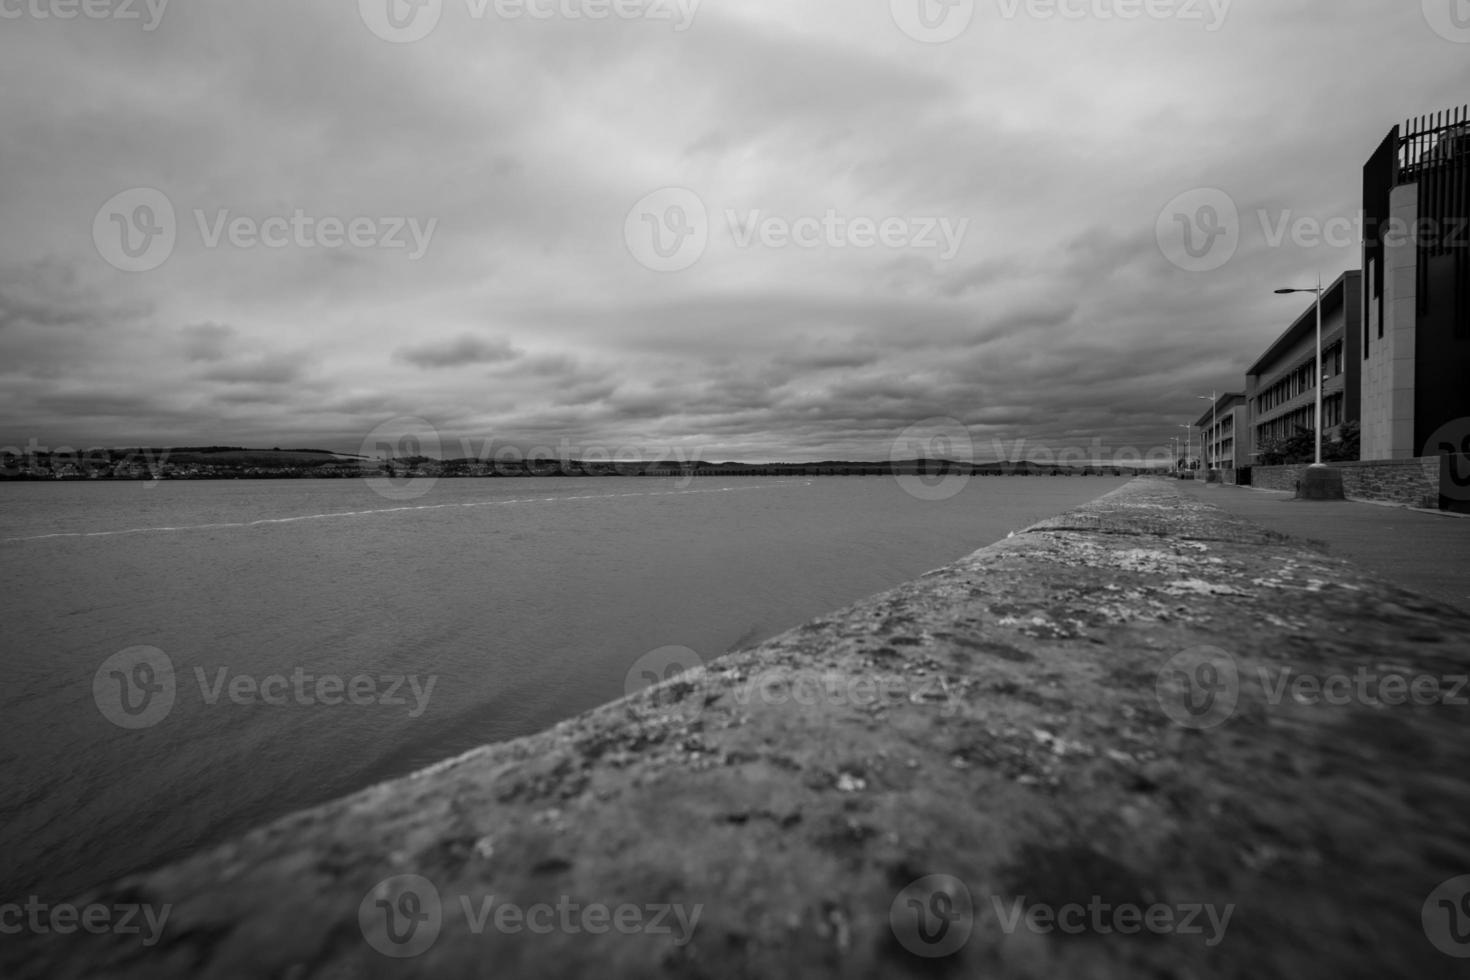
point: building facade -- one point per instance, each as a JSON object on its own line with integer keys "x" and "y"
{"x": 1225, "y": 432}
{"x": 1281, "y": 386}
{"x": 1416, "y": 296}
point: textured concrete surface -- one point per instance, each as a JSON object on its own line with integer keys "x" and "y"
{"x": 1097, "y": 723}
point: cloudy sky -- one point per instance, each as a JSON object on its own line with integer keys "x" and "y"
{"x": 742, "y": 229}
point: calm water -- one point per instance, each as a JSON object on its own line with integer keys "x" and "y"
{"x": 526, "y": 601}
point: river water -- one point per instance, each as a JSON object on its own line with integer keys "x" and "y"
{"x": 322, "y": 638}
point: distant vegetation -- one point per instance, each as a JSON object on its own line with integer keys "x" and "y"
{"x": 184, "y": 463}
{"x": 1301, "y": 447}
{"x": 237, "y": 462}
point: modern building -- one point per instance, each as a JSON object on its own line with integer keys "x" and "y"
{"x": 1280, "y": 387}
{"x": 1416, "y": 298}
{"x": 1225, "y": 430}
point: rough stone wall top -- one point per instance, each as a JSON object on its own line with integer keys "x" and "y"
{"x": 1082, "y": 752}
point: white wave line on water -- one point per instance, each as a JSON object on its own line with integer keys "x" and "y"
{"x": 383, "y": 510}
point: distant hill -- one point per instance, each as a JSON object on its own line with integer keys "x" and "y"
{"x": 252, "y": 457}
{"x": 234, "y": 462}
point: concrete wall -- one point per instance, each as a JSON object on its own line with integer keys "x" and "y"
{"x": 1080, "y": 716}
{"x": 1409, "y": 481}
{"x": 1388, "y": 371}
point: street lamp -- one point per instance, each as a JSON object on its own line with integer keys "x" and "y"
{"x": 1214, "y": 434}
{"x": 1320, "y": 482}
{"x": 1318, "y": 291}
{"x": 1188, "y": 444}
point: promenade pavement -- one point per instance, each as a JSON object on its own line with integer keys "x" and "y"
{"x": 1420, "y": 551}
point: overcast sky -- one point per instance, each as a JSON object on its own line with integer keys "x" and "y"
{"x": 742, "y": 229}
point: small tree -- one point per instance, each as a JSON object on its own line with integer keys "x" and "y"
{"x": 1301, "y": 447}
{"x": 1347, "y": 446}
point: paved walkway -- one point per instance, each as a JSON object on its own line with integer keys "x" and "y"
{"x": 1428, "y": 553}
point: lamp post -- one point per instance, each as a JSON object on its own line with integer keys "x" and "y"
{"x": 1318, "y": 291}
{"x": 1321, "y": 481}
{"x": 1188, "y": 444}
{"x": 1214, "y": 435}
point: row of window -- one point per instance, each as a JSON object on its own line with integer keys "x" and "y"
{"x": 1222, "y": 450}
{"x": 1331, "y": 412}
{"x": 1287, "y": 425}
{"x": 1299, "y": 382}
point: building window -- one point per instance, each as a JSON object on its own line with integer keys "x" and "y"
{"x": 1332, "y": 360}
{"x": 1331, "y": 412}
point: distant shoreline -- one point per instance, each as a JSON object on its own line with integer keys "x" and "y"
{"x": 237, "y": 464}
{"x": 557, "y": 470}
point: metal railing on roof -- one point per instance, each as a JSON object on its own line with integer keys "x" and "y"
{"x": 1433, "y": 141}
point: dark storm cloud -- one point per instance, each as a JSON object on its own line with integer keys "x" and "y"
{"x": 270, "y": 369}
{"x": 49, "y": 293}
{"x": 207, "y": 341}
{"x": 1059, "y": 318}
{"x": 105, "y": 405}
{"x": 458, "y": 352}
